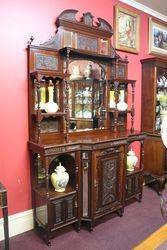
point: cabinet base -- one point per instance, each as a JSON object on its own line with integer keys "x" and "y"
{"x": 47, "y": 234}
{"x": 155, "y": 182}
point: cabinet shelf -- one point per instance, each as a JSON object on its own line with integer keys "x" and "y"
{"x": 118, "y": 111}
{"x": 162, "y": 87}
{"x": 80, "y": 118}
{"x": 37, "y": 74}
{"x": 53, "y": 194}
{"x": 83, "y": 80}
{"x": 136, "y": 170}
{"x": 122, "y": 81}
{"x": 76, "y": 53}
{"x": 86, "y": 104}
{"x": 47, "y": 115}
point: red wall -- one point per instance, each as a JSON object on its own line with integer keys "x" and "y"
{"x": 19, "y": 20}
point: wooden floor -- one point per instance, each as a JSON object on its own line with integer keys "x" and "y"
{"x": 156, "y": 240}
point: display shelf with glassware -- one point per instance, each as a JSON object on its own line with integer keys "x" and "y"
{"x": 154, "y": 108}
{"x": 84, "y": 103}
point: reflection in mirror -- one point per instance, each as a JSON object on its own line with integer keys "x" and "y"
{"x": 86, "y": 95}
{"x": 85, "y": 167}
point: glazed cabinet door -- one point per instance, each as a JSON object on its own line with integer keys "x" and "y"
{"x": 155, "y": 163}
{"x": 109, "y": 181}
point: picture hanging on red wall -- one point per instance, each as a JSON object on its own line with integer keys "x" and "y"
{"x": 157, "y": 37}
{"x": 126, "y": 30}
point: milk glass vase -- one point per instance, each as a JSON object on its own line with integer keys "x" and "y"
{"x": 122, "y": 105}
{"x": 51, "y": 106}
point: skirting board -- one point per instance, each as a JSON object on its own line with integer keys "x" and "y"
{"x": 18, "y": 223}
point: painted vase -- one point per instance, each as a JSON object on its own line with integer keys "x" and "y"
{"x": 60, "y": 178}
{"x": 131, "y": 160}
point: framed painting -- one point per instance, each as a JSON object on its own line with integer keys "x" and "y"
{"x": 157, "y": 37}
{"x": 126, "y": 30}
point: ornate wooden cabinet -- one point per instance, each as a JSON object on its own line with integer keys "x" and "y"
{"x": 154, "y": 106}
{"x": 79, "y": 108}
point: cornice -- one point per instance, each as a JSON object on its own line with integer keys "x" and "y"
{"x": 145, "y": 9}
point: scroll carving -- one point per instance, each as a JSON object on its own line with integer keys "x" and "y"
{"x": 104, "y": 25}
{"x": 109, "y": 181}
{"x": 67, "y": 15}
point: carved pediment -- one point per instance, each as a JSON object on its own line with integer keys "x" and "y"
{"x": 87, "y": 19}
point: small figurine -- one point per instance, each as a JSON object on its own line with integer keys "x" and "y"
{"x": 88, "y": 72}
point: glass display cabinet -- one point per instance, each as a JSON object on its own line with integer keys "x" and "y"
{"x": 154, "y": 107}
{"x": 86, "y": 95}
{"x": 80, "y": 106}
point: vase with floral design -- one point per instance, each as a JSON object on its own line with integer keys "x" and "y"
{"x": 60, "y": 178}
{"x": 131, "y": 160}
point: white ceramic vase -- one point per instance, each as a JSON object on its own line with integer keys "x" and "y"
{"x": 60, "y": 178}
{"x": 122, "y": 106}
{"x": 51, "y": 106}
{"x": 131, "y": 160}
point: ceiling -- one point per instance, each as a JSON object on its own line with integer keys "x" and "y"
{"x": 156, "y": 5}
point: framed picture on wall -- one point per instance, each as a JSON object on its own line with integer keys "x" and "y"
{"x": 126, "y": 30}
{"x": 157, "y": 37}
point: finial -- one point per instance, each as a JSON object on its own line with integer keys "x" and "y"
{"x": 31, "y": 40}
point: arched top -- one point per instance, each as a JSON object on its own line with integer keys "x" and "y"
{"x": 87, "y": 19}
{"x": 84, "y": 34}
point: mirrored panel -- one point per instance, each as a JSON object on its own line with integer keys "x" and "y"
{"x": 86, "y": 94}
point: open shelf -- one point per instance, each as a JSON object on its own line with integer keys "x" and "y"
{"x": 52, "y": 194}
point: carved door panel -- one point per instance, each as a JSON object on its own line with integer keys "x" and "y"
{"x": 134, "y": 185}
{"x": 109, "y": 180}
{"x": 63, "y": 210}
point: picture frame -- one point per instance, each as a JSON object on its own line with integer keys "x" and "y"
{"x": 127, "y": 24}
{"x": 104, "y": 47}
{"x": 157, "y": 37}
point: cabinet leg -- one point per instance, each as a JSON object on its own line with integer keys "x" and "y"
{"x": 139, "y": 197}
{"x": 120, "y": 211}
{"x": 49, "y": 243}
{"x": 78, "y": 226}
{"x": 158, "y": 184}
{"x": 91, "y": 225}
